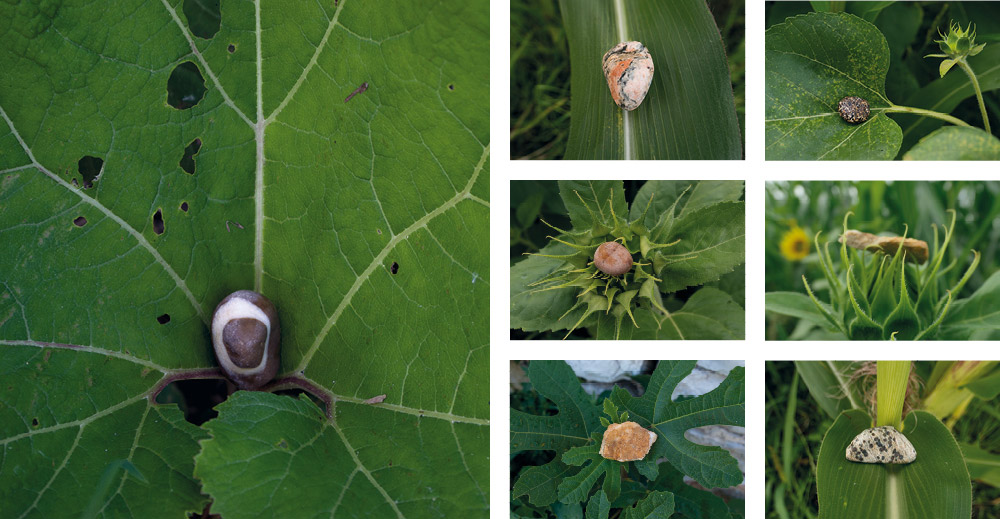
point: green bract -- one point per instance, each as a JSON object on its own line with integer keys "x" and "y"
{"x": 680, "y": 234}
{"x": 880, "y": 296}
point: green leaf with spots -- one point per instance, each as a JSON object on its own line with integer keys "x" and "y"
{"x": 812, "y": 61}
{"x": 153, "y": 161}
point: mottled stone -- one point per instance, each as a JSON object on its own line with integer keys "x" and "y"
{"x": 853, "y": 109}
{"x": 916, "y": 250}
{"x": 881, "y": 445}
{"x": 626, "y": 441}
{"x": 628, "y": 67}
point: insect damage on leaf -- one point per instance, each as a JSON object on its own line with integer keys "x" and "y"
{"x": 881, "y": 445}
{"x": 916, "y": 250}
{"x": 626, "y": 441}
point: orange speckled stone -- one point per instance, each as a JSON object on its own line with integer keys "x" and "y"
{"x": 628, "y": 67}
{"x": 626, "y": 441}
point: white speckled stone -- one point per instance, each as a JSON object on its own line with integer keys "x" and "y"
{"x": 628, "y": 67}
{"x": 881, "y": 445}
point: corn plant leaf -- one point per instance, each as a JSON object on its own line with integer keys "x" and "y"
{"x": 148, "y": 168}
{"x": 935, "y": 485}
{"x": 956, "y": 143}
{"x": 829, "y": 384}
{"x": 812, "y": 61}
{"x": 983, "y": 465}
{"x": 689, "y": 112}
{"x": 710, "y": 466}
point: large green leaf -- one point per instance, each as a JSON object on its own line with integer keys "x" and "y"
{"x": 713, "y": 236}
{"x": 710, "y": 466}
{"x": 934, "y": 486}
{"x": 532, "y": 310}
{"x": 689, "y": 112}
{"x": 353, "y": 217}
{"x": 956, "y": 143}
{"x": 811, "y": 62}
{"x": 263, "y": 461}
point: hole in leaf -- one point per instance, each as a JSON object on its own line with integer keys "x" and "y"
{"x": 80, "y": 221}
{"x": 184, "y": 206}
{"x": 204, "y": 17}
{"x": 163, "y": 319}
{"x": 158, "y": 221}
{"x": 231, "y": 48}
{"x": 187, "y": 161}
{"x": 198, "y": 396}
{"x": 394, "y": 268}
{"x": 90, "y": 170}
{"x": 34, "y": 422}
{"x": 451, "y": 86}
{"x": 185, "y": 86}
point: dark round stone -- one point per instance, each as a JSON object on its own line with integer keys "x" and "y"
{"x": 853, "y": 109}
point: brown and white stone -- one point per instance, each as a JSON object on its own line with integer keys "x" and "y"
{"x": 626, "y": 441}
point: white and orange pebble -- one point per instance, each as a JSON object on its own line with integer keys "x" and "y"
{"x": 626, "y": 441}
{"x": 628, "y": 68}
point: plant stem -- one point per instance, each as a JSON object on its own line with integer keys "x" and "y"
{"x": 979, "y": 92}
{"x": 890, "y": 384}
{"x": 928, "y": 113}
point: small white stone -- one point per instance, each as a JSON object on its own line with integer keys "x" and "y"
{"x": 628, "y": 67}
{"x": 881, "y": 445}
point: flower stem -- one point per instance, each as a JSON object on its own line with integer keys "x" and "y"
{"x": 979, "y": 92}
{"x": 927, "y": 113}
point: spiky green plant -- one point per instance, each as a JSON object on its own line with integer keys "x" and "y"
{"x": 601, "y": 292}
{"x": 882, "y": 296}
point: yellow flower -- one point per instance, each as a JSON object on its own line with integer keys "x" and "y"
{"x": 795, "y": 244}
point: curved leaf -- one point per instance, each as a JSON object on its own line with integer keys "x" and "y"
{"x": 712, "y": 237}
{"x": 812, "y": 61}
{"x": 936, "y": 485}
{"x": 689, "y": 112}
{"x": 977, "y": 313}
{"x": 351, "y": 215}
{"x": 956, "y": 143}
{"x": 797, "y": 304}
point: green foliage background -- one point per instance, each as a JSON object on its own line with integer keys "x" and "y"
{"x": 877, "y": 206}
{"x": 910, "y": 29}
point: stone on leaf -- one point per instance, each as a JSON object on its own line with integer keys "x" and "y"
{"x": 628, "y": 68}
{"x": 881, "y": 445}
{"x": 626, "y": 441}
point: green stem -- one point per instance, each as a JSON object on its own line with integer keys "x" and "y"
{"x": 928, "y": 113}
{"x": 890, "y": 381}
{"x": 979, "y": 92}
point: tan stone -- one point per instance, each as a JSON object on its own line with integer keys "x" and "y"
{"x": 916, "y": 250}
{"x": 626, "y": 441}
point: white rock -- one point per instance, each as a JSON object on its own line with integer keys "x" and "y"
{"x": 881, "y": 445}
{"x": 605, "y": 370}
